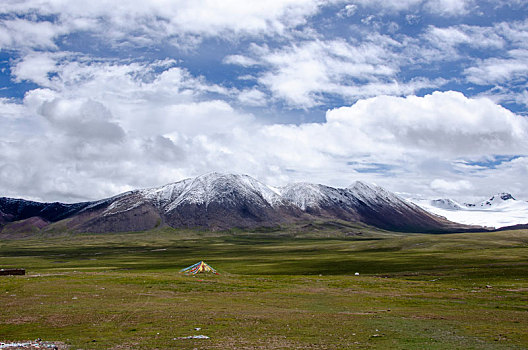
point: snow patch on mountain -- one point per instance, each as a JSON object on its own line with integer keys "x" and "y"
{"x": 372, "y": 193}
{"x": 214, "y": 187}
{"x": 306, "y": 195}
{"x": 446, "y": 203}
{"x": 271, "y": 195}
{"x": 498, "y": 211}
{"x": 229, "y": 188}
{"x": 161, "y": 196}
{"x": 499, "y": 200}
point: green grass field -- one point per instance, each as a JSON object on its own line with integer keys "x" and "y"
{"x": 274, "y": 291}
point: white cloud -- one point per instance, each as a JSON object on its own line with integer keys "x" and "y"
{"x": 21, "y": 33}
{"x": 499, "y": 70}
{"x": 145, "y": 98}
{"x": 502, "y": 61}
{"x": 252, "y": 97}
{"x": 82, "y": 119}
{"x": 449, "y": 38}
{"x": 144, "y": 22}
{"x": 435, "y": 7}
{"x": 100, "y": 143}
{"x": 10, "y": 109}
{"x": 442, "y": 123}
{"x": 449, "y": 7}
{"x": 36, "y": 67}
{"x": 505, "y": 48}
{"x": 240, "y": 60}
{"x": 450, "y": 186}
{"x": 390, "y": 88}
{"x": 384, "y": 5}
{"x": 305, "y": 74}
{"x": 302, "y": 74}
{"x": 348, "y": 11}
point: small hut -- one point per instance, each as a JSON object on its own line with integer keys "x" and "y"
{"x": 199, "y": 267}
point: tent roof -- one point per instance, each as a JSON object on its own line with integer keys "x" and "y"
{"x": 199, "y": 267}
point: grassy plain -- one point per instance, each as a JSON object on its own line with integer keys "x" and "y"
{"x": 275, "y": 290}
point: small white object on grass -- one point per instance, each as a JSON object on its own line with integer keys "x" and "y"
{"x": 200, "y": 336}
{"x": 356, "y": 274}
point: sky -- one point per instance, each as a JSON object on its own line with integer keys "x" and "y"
{"x": 427, "y": 98}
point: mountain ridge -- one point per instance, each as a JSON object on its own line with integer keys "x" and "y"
{"x": 220, "y": 201}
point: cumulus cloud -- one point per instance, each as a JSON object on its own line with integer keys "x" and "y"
{"x": 444, "y": 123}
{"x": 93, "y": 143}
{"x": 83, "y": 119}
{"x": 35, "y": 67}
{"x": 121, "y": 125}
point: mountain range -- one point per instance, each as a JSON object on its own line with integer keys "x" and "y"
{"x": 218, "y": 201}
{"x": 500, "y": 210}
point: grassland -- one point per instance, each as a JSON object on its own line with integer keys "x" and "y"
{"x": 274, "y": 291}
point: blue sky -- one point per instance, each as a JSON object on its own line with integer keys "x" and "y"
{"x": 423, "y": 97}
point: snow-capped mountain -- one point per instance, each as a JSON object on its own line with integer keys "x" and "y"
{"x": 499, "y": 200}
{"x": 500, "y": 210}
{"x": 222, "y": 201}
{"x": 205, "y": 190}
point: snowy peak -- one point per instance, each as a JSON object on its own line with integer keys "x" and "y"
{"x": 496, "y": 200}
{"x": 306, "y": 195}
{"x": 161, "y": 196}
{"x": 445, "y": 203}
{"x": 218, "y": 188}
{"x": 367, "y": 190}
{"x": 363, "y": 186}
{"x": 374, "y": 194}
{"x": 226, "y": 189}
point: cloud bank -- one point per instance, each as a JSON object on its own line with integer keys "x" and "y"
{"x": 83, "y": 141}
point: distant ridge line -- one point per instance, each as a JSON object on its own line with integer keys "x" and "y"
{"x": 219, "y": 201}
